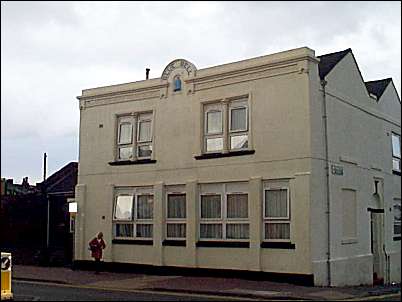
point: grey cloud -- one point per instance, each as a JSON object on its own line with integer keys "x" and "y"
{"x": 50, "y": 51}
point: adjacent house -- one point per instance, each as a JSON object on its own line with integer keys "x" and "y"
{"x": 287, "y": 164}
{"x": 35, "y": 220}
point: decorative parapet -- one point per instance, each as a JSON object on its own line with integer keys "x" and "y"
{"x": 120, "y": 96}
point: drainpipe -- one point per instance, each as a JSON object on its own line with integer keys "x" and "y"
{"x": 324, "y": 117}
{"x": 387, "y": 268}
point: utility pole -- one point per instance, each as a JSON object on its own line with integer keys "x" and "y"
{"x": 48, "y": 209}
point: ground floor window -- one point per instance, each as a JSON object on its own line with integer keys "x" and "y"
{"x": 276, "y": 214}
{"x": 133, "y": 213}
{"x": 397, "y": 217}
{"x": 224, "y": 212}
{"x": 176, "y": 216}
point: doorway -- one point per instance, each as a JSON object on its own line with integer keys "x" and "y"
{"x": 377, "y": 243}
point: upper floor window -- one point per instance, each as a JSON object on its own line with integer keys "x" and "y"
{"x": 226, "y": 126}
{"x": 134, "y": 137}
{"x": 396, "y": 152}
{"x": 133, "y": 214}
{"x": 238, "y": 130}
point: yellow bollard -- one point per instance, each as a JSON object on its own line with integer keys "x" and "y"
{"x": 6, "y": 293}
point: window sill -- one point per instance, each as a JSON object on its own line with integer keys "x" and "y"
{"x": 236, "y": 244}
{"x": 396, "y": 172}
{"x": 278, "y": 245}
{"x": 397, "y": 238}
{"x": 168, "y": 242}
{"x": 132, "y": 162}
{"x": 375, "y": 210}
{"x": 133, "y": 242}
{"x": 348, "y": 241}
{"x": 219, "y": 155}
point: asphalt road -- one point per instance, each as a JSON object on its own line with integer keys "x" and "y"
{"x": 37, "y": 291}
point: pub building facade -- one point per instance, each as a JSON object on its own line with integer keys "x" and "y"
{"x": 286, "y": 165}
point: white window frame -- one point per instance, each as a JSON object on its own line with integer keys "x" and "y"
{"x": 225, "y": 106}
{"x": 213, "y": 135}
{"x": 135, "y": 119}
{"x": 175, "y": 220}
{"x": 134, "y": 221}
{"x": 240, "y": 132}
{"x": 396, "y": 203}
{"x": 128, "y": 122}
{"x": 276, "y": 220}
{"x": 121, "y": 120}
{"x": 140, "y": 143}
{"x": 224, "y": 220}
{"x": 394, "y": 156}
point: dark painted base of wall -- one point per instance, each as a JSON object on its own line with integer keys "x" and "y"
{"x": 299, "y": 279}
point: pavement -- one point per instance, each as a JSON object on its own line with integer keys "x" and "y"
{"x": 216, "y": 286}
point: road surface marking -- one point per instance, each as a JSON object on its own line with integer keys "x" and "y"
{"x": 140, "y": 291}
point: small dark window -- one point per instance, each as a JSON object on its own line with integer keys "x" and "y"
{"x": 177, "y": 83}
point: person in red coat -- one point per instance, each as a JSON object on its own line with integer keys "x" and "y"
{"x": 96, "y": 246}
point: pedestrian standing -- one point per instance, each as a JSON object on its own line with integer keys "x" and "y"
{"x": 96, "y": 246}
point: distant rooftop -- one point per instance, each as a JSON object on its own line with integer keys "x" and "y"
{"x": 328, "y": 61}
{"x": 377, "y": 87}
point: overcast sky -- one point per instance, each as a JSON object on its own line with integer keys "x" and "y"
{"x": 51, "y": 51}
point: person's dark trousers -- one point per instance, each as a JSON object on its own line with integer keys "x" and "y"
{"x": 97, "y": 265}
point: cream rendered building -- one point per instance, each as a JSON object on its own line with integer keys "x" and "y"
{"x": 287, "y": 164}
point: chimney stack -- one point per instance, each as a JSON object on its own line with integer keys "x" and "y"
{"x": 44, "y": 166}
{"x": 147, "y": 73}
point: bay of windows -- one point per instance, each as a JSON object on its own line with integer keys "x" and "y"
{"x": 223, "y": 213}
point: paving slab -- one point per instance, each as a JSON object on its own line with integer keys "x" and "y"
{"x": 141, "y": 282}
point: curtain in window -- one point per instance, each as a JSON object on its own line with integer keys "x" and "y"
{"x": 144, "y": 230}
{"x": 211, "y": 231}
{"x": 124, "y": 230}
{"x": 123, "y": 208}
{"x": 237, "y": 231}
{"x": 126, "y": 134}
{"x": 239, "y": 141}
{"x": 144, "y": 151}
{"x": 397, "y": 219}
{"x": 396, "y": 145}
{"x": 214, "y": 144}
{"x": 176, "y": 206}
{"x": 276, "y": 203}
{"x": 238, "y": 119}
{"x": 145, "y": 207}
{"x": 176, "y": 230}
{"x": 125, "y": 152}
{"x": 144, "y": 131}
{"x": 214, "y": 122}
{"x": 211, "y": 206}
{"x": 237, "y": 205}
{"x": 277, "y": 231}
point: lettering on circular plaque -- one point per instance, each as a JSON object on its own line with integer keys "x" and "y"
{"x": 179, "y": 63}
